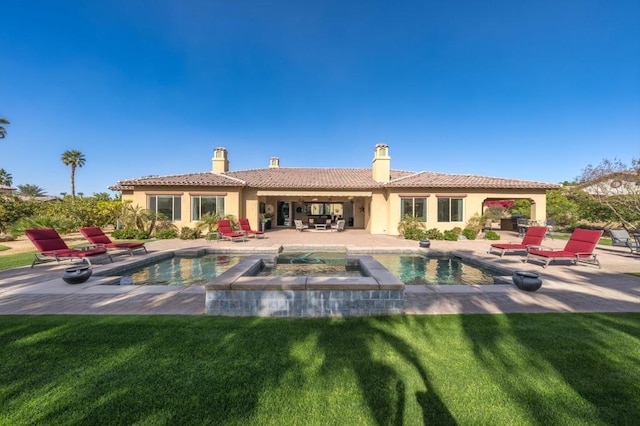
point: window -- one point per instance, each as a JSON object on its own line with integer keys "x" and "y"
{"x": 414, "y": 206}
{"x": 201, "y": 205}
{"x": 169, "y": 206}
{"x": 450, "y": 209}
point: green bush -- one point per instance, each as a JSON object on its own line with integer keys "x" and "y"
{"x": 469, "y": 234}
{"x": 491, "y": 235}
{"x": 411, "y": 227}
{"x": 434, "y": 234}
{"x": 125, "y": 234}
{"x": 450, "y": 235}
{"x": 187, "y": 233}
{"x": 61, "y": 224}
{"x": 414, "y": 234}
{"x": 166, "y": 234}
{"x": 142, "y": 235}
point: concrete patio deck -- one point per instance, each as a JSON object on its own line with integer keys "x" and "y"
{"x": 566, "y": 288}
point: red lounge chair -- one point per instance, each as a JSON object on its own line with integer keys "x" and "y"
{"x": 533, "y": 237}
{"x": 226, "y": 232}
{"x": 246, "y": 228}
{"x": 579, "y": 248}
{"x": 51, "y": 247}
{"x": 98, "y": 238}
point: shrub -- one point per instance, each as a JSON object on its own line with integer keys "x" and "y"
{"x": 125, "y": 234}
{"x": 469, "y": 234}
{"x": 142, "y": 235}
{"x": 187, "y": 233}
{"x": 411, "y": 227}
{"x": 457, "y": 230}
{"x": 492, "y": 235}
{"x": 450, "y": 235}
{"x": 166, "y": 234}
{"x": 415, "y": 234}
{"x": 434, "y": 234}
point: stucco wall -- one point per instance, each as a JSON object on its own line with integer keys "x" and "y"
{"x": 232, "y": 200}
{"x": 473, "y": 204}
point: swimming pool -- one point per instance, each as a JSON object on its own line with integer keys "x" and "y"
{"x": 178, "y": 271}
{"x": 410, "y": 269}
{"x": 421, "y": 270}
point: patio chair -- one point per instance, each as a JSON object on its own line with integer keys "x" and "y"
{"x": 634, "y": 245}
{"x": 579, "y": 249}
{"x": 245, "y": 227}
{"x": 299, "y": 225}
{"x": 338, "y": 226}
{"x": 51, "y": 247}
{"x": 226, "y": 232}
{"x": 532, "y": 238}
{"x": 97, "y": 237}
{"x": 621, "y": 238}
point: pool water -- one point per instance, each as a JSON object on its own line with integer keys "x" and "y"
{"x": 420, "y": 270}
{"x": 312, "y": 258}
{"x": 410, "y": 269}
{"x": 318, "y": 264}
{"x": 180, "y": 271}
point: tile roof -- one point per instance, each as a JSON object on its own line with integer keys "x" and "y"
{"x": 445, "y": 180}
{"x": 329, "y": 178}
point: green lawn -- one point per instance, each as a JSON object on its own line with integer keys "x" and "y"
{"x": 604, "y": 241}
{"x": 9, "y": 261}
{"x": 454, "y": 369}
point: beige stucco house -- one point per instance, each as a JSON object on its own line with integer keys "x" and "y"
{"x": 374, "y": 199}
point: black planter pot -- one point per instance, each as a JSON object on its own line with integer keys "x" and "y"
{"x": 527, "y": 281}
{"x": 77, "y": 274}
{"x": 425, "y": 243}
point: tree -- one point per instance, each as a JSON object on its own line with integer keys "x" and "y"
{"x": 3, "y": 131}
{"x": 29, "y": 190}
{"x": 614, "y": 186}
{"x": 74, "y": 159}
{"x": 5, "y": 178}
{"x": 561, "y": 209}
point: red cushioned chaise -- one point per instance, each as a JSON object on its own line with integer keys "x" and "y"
{"x": 579, "y": 248}
{"x": 246, "y": 228}
{"x": 51, "y": 247}
{"x": 533, "y": 237}
{"x": 226, "y": 232}
{"x": 95, "y": 236}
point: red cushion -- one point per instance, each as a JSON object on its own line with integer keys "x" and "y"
{"x": 510, "y": 246}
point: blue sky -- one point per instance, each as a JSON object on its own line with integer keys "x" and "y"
{"x": 531, "y": 90}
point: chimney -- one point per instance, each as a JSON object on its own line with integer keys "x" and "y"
{"x": 219, "y": 162}
{"x": 274, "y": 163}
{"x": 381, "y": 163}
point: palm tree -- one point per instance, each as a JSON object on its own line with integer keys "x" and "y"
{"x": 3, "y": 131}
{"x": 74, "y": 159}
{"x": 5, "y": 178}
{"x": 30, "y": 190}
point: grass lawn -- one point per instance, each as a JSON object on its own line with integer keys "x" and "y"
{"x": 16, "y": 260}
{"x": 453, "y": 369}
{"x": 604, "y": 241}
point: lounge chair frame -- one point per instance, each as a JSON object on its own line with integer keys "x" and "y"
{"x": 51, "y": 247}
{"x": 245, "y": 227}
{"x": 532, "y": 238}
{"x": 98, "y": 238}
{"x": 579, "y": 249}
{"x": 226, "y": 232}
